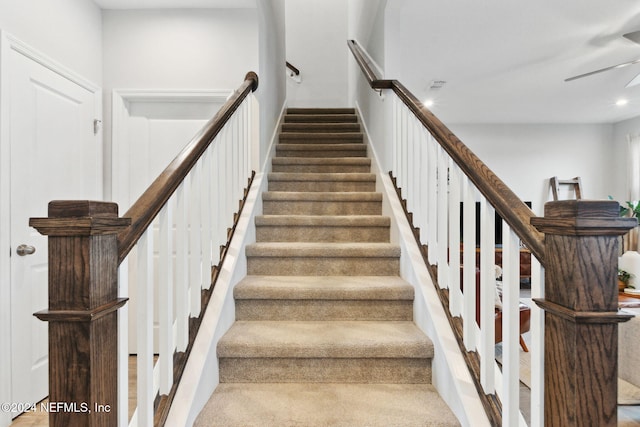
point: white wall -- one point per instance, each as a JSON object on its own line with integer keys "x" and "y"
{"x": 619, "y": 153}
{"x": 317, "y": 46}
{"x": 175, "y": 49}
{"x": 272, "y": 90}
{"x": 68, "y": 31}
{"x": 525, "y": 156}
{"x": 367, "y": 27}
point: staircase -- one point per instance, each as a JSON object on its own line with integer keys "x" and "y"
{"x": 324, "y": 333}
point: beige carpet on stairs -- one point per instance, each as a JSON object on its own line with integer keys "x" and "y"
{"x": 324, "y": 332}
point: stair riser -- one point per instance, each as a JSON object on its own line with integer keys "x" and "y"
{"x": 318, "y": 207}
{"x": 320, "y": 127}
{"x": 321, "y": 168}
{"x": 311, "y": 151}
{"x": 320, "y": 118}
{"x": 323, "y": 266}
{"x": 285, "y": 139}
{"x": 326, "y": 370}
{"x": 317, "y": 110}
{"x": 314, "y": 186}
{"x": 321, "y": 234}
{"x": 383, "y": 310}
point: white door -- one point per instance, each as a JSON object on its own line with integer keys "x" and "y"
{"x": 54, "y": 155}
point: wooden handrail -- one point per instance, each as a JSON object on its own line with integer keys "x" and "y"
{"x": 145, "y": 209}
{"x": 509, "y": 206}
{"x": 293, "y": 69}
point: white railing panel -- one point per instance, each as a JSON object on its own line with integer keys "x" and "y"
{"x": 510, "y": 326}
{"x": 487, "y": 296}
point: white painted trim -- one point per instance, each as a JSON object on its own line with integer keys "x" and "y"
{"x": 10, "y": 43}
{"x": 266, "y": 166}
{"x": 5, "y": 238}
{"x": 121, "y": 98}
{"x": 451, "y": 376}
{"x": 42, "y": 59}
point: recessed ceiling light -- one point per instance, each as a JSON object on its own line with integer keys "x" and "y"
{"x": 621, "y": 102}
{"x": 428, "y": 103}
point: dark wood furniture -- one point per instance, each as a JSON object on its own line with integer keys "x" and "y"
{"x": 525, "y": 314}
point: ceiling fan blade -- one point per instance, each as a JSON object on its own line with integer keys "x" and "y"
{"x": 633, "y": 36}
{"x": 613, "y": 67}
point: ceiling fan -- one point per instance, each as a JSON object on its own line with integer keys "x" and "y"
{"x": 634, "y": 37}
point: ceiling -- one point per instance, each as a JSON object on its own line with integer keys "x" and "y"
{"x": 506, "y": 62}
{"x": 503, "y": 61}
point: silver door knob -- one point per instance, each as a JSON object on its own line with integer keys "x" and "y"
{"x": 24, "y": 250}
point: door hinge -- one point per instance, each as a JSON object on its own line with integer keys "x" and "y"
{"x": 96, "y": 126}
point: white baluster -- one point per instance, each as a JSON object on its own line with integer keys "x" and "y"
{"x": 408, "y": 192}
{"x": 234, "y": 179}
{"x": 455, "y": 295}
{"x": 402, "y": 172}
{"x": 510, "y": 326}
{"x": 487, "y": 296}
{"x": 217, "y": 227}
{"x": 123, "y": 345}
{"x": 182, "y": 268}
{"x": 205, "y": 213}
{"x": 144, "y": 307}
{"x": 195, "y": 250}
{"x": 443, "y": 223}
{"x": 165, "y": 298}
{"x": 432, "y": 184}
{"x": 469, "y": 265}
{"x": 537, "y": 345}
{"x": 396, "y": 137}
{"x": 421, "y": 174}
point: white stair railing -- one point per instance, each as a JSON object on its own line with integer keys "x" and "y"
{"x": 172, "y": 262}
{"x": 424, "y": 171}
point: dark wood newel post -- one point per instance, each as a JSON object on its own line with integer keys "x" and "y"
{"x": 82, "y": 313}
{"x": 581, "y": 311}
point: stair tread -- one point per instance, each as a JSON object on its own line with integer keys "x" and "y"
{"x": 324, "y": 220}
{"x": 322, "y": 176}
{"x": 321, "y": 405}
{"x": 322, "y": 249}
{"x": 327, "y": 288}
{"x": 319, "y": 339}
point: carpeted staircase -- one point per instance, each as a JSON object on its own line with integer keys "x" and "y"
{"x": 324, "y": 333}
